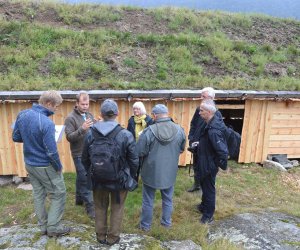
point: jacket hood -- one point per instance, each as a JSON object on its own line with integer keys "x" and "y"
{"x": 105, "y": 127}
{"x": 164, "y": 130}
{"x": 41, "y": 109}
{"x": 216, "y": 123}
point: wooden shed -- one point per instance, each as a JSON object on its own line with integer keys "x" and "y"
{"x": 268, "y": 121}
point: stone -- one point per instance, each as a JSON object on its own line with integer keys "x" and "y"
{"x": 264, "y": 230}
{"x": 17, "y": 180}
{"x": 295, "y": 163}
{"x": 5, "y": 180}
{"x": 288, "y": 165}
{"x": 183, "y": 245}
{"x": 273, "y": 165}
{"x": 281, "y": 158}
{"x": 25, "y": 186}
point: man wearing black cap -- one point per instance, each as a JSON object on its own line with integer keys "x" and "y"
{"x": 106, "y": 190}
{"x": 160, "y": 146}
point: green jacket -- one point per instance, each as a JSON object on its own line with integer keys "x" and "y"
{"x": 159, "y": 146}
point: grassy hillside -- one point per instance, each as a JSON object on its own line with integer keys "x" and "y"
{"x": 50, "y": 45}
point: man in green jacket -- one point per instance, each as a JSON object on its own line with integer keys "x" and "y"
{"x": 159, "y": 146}
{"x": 77, "y": 125}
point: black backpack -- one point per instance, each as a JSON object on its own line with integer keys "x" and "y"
{"x": 105, "y": 155}
{"x": 233, "y": 140}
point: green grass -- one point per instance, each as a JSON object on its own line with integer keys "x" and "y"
{"x": 73, "y": 51}
{"x": 243, "y": 188}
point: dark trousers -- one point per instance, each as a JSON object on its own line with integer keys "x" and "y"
{"x": 208, "y": 203}
{"x": 196, "y": 168}
{"x": 83, "y": 194}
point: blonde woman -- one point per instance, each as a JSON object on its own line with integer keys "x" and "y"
{"x": 139, "y": 121}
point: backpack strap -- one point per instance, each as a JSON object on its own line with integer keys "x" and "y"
{"x": 114, "y": 132}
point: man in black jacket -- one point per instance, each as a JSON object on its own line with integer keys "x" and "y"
{"x": 106, "y": 192}
{"x": 212, "y": 153}
{"x": 196, "y": 129}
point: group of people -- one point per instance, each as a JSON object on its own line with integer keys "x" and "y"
{"x": 149, "y": 147}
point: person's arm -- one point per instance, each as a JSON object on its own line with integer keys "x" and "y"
{"x": 73, "y": 134}
{"x": 219, "y": 145}
{"x": 51, "y": 147}
{"x": 183, "y": 141}
{"x": 132, "y": 155}
{"x": 193, "y": 125}
{"x": 16, "y": 135}
{"x": 85, "y": 157}
{"x": 143, "y": 144}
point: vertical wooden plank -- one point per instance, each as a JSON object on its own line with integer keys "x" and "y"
{"x": 245, "y": 130}
{"x": 268, "y": 123}
{"x": 261, "y": 133}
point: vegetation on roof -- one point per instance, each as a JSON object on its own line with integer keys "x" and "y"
{"x": 59, "y": 46}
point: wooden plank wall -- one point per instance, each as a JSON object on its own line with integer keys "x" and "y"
{"x": 270, "y": 128}
{"x": 11, "y": 155}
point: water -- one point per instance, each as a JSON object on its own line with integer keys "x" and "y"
{"x": 276, "y": 8}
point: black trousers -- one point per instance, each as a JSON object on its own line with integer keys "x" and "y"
{"x": 208, "y": 203}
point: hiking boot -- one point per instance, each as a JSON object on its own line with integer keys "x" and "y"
{"x": 79, "y": 203}
{"x": 114, "y": 242}
{"x": 90, "y": 210}
{"x": 199, "y": 207}
{"x": 205, "y": 220}
{"x": 60, "y": 232}
{"x": 194, "y": 188}
{"x": 102, "y": 242}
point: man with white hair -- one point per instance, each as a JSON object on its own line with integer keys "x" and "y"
{"x": 196, "y": 129}
{"x": 160, "y": 146}
{"x": 212, "y": 153}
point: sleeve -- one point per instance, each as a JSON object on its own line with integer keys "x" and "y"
{"x": 51, "y": 147}
{"x": 16, "y": 135}
{"x": 143, "y": 144}
{"x": 85, "y": 157}
{"x": 132, "y": 155}
{"x": 183, "y": 141}
{"x": 220, "y": 147}
{"x": 73, "y": 134}
{"x": 193, "y": 125}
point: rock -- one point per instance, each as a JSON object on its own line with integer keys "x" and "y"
{"x": 264, "y": 230}
{"x": 295, "y": 163}
{"x": 183, "y": 245}
{"x": 288, "y": 165}
{"x": 5, "y": 180}
{"x": 273, "y": 165}
{"x": 281, "y": 158}
{"x": 28, "y": 237}
{"x": 25, "y": 186}
{"x": 17, "y": 180}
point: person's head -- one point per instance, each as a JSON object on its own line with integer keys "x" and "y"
{"x": 50, "y": 99}
{"x": 159, "y": 111}
{"x": 138, "y": 109}
{"x": 82, "y": 102}
{"x": 109, "y": 110}
{"x": 208, "y": 93}
{"x": 207, "y": 109}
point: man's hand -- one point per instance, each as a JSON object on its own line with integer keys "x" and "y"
{"x": 87, "y": 124}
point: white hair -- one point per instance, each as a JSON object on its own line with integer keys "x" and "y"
{"x": 210, "y": 91}
{"x": 209, "y": 105}
{"x": 141, "y": 106}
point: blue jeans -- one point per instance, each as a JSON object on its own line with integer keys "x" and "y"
{"x": 147, "y": 207}
{"x": 83, "y": 194}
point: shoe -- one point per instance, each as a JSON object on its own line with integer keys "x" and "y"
{"x": 205, "y": 220}
{"x": 43, "y": 232}
{"x": 91, "y": 212}
{"x": 79, "y": 203}
{"x": 61, "y": 232}
{"x": 193, "y": 188}
{"x": 103, "y": 242}
{"x": 143, "y": 228}
{"x": 199, "y": 207}
{"x": 114, "y": 242}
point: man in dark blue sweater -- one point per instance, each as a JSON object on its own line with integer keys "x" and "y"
{"x": 36, "y": 131}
